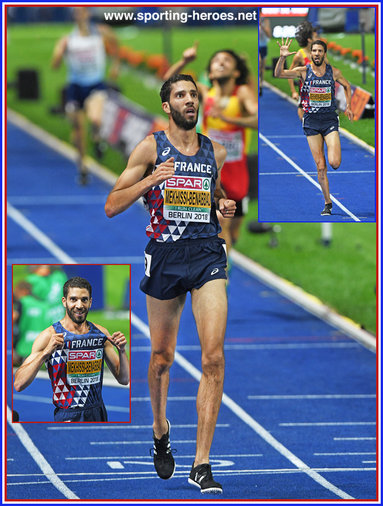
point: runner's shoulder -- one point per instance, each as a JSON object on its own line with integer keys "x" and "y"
{"x": 101, "y": 329}
{"x": 146, "y": 149}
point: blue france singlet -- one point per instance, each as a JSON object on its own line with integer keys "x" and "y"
{"x": 318, "y": 93}
{"x": 183, "y": 206}
{"x": 76, "y": 371}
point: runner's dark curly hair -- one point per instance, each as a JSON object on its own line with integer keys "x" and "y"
{"x": 77, "y": 282}
{"x": 167, "y": 86}
{"x": 303, "y": 33}
{"x": 241, "y": 65}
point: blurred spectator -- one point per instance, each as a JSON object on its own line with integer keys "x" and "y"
{"x": 264, "y": 36}
{"x": 16, "y": 311}
{"x": 85, "y": 51}
{"x": 30, "y": 317}
{"x": 47, "y": 282}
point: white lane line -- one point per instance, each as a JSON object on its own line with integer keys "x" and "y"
{"x": 309, "y": 178}
{"x": 115, "y": 465}
{"x": 173, "y": 398}
{"x": 354, "y": 438}
{"x": 135, "y": 475}
{"x": 343, "y": 453}
{"x": 40, "y": 460}
{"x": 42, "y": 238}
{"x": 148, "y": 442}
{"x": 334, "y": 172}
{"x": 227, "y": 401}
{"x": 368, "y": 461}
{"x": 58, "y": 200}
{"x": 241, "y": 347}
{"x": 129, "y": 427}
{"x": 30, "y": 260}
{"x": 309, "y": 397}
{"x": 246, "y": 418}
{"x": 32, "y": 398}
{"x": 323, "y": 424}
{"x": 244, "y": 455}
{"x": 293, "y": 136}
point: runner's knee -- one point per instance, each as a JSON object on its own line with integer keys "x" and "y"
{"x": 161, "y": 361}
{"x": 334, "y": 161}
{"x": 213, "y": 363}
{"x": 322, "y": 173}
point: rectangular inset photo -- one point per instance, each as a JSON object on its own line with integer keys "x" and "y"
{"x": 71, "y": 343}
{"x": 317, "y": 134}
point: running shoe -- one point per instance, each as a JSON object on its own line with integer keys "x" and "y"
{"x": 327, "y": 210}
{"x": 201, "y": 476}
{"x": 162, "y": 456}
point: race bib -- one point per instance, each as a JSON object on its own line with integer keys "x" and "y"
{"x": 320, "y": 96}
{"x": 84, "y": 366}
{"x": 187, "y": 199}
{"x": 233, "y": 142}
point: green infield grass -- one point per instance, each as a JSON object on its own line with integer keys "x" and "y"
{"x": 342, "y": 275}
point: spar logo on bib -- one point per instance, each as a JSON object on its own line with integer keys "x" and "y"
{"x": 187, "y": 198}
{"x": 83, "y": 355}
{"x": 84, "y": 366}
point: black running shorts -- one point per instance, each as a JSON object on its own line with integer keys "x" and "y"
{"x": 323, "y": 124}
{"x": 172, "y": 269}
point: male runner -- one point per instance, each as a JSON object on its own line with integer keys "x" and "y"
{"x": 178, "y": 173}
{"x": 305, "y": 34}
{"x": 84, "y": 49}
{"x": 74, "y": 351}
{"x": 320, "y": 120}
{"x": 230, "y": 109}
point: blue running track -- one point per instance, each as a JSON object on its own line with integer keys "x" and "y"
{"x": 298, "y": 417}
{"x": 287, "y": 172}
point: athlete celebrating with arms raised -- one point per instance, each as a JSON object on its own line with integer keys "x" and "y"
{"x": 178, "y": 173}
{"x": 320, "y": 120}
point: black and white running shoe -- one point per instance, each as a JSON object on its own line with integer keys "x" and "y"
{"x": 327, "y": 210}
{"x": 201, "y": 476}
{"x": 162, "y": 456}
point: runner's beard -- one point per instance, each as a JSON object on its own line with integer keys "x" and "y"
{"x": 76, "y": 319}
{"x": 320, "y": 62}
{"x": 181, "y": 121}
